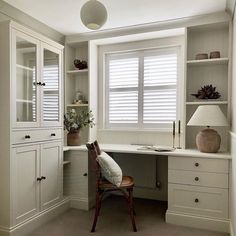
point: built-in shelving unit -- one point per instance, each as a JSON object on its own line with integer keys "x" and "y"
{"x": 206, "y": 39}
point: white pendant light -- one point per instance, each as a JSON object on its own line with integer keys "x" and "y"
{"x": 93, "y": 14}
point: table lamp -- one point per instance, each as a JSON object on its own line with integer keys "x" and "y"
{"x": 208, "y": 140}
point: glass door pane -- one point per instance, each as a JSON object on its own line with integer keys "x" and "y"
{"x": 26, "y": 78}
{"x": 51, "y": 75}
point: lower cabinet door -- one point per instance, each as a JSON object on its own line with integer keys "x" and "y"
{"x": 51, "y": 174}
{"x": 25, "y": 187}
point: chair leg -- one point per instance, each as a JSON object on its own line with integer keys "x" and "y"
{"x": 97, "y": 209}
{"x": 131, "y": 209}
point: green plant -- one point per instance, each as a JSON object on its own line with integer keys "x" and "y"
{"x": 74, "y": 121}
{"x": 207, "y": 92}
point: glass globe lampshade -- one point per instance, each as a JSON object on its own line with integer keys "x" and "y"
{"x": 93, "y": 14}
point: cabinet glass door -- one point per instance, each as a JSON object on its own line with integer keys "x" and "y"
{"x": 25, "y": 79}
{"x": 50, "y": 85}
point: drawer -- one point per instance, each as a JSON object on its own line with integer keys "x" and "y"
{"x": 196, "y": 200}
{"x": 208, "y": 179}
{"x": 28, "y": 136}
{"x": 198, "y": 164}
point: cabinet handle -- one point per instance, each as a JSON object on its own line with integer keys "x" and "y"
{"x": 38, "y": 83}
{"x": 39, "y": 179}
{"x": 196, "y": 178}
{"x": 85, "y": 174}
{"x": 196, "y": 164}
{"x": 43, "y": 84}
{"x": 53, "y": 134}
{"x": 27, "y": 136}
{"x": 196, "y": 200}
{"x": 43, "y": 177}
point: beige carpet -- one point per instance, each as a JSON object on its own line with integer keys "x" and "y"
{"x": 114, "y": 220}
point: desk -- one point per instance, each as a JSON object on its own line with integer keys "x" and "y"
{"x": 197, "y": 184}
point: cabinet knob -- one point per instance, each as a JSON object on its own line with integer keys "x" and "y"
{"x": 85, "y": 174}
{"x": 196, "y": 200}
{"x": 196, "y": 178}
{"x": 38, "y": 83}
{"x": 43, "y": 84}
{"x": 53, "y": 134}
{"x": 39, "y": 179}
{"x": 27, "y": 136}
{"x": 43, "y": 177}
{"x": 196, "y": 164}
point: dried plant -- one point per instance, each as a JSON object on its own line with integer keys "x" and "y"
{"x": 74, "y": 121}
{"x": 207, "y": 92}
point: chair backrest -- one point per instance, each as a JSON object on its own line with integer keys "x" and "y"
{"x": 93, "y": 151}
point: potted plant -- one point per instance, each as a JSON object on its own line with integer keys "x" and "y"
{"x": 74, "y": 122}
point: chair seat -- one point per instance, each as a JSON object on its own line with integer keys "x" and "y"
{"x": 127, "y": 182}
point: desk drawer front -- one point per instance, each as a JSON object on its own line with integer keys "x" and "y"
{"x": 218, "y": 180}
{"x": 198, "y": 164}
{"x": 198, "y": 200}
{"x": 28, "y": 136}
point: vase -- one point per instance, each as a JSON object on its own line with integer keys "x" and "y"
{"x": 74, "y": 139}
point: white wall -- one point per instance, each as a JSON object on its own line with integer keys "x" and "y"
{"x": 7, "y": 12}
{"x": 233, "y": 135}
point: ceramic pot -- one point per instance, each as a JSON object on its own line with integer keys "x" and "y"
{"x": 74, "y": 139}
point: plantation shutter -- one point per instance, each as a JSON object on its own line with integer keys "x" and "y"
{"x": 51, "y": 92}
{"x": 160, "y": 88}
{"x": 123, "y": 74}
{"x": 141, "y": 89}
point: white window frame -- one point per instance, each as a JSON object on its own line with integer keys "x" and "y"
{"x": 141, "y": 53}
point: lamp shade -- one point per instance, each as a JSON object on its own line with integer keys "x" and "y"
{"x": 208, "y": 115}
{"x": 93, "y": 14}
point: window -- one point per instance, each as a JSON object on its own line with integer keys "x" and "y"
{"x": 141, "y": 89}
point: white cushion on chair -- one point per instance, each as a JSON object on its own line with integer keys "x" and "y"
{"x": 110, "y": 169}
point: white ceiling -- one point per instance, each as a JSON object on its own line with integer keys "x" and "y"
{"x": 64, "y": 15}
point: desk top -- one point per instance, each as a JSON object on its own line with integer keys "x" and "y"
{"x": 136, "y": 149}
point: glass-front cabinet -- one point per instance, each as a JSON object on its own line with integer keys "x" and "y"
{"x": 37, "y": 78}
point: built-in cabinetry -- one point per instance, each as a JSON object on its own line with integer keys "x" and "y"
{"x": 215, "y": 71}
{"x": 31, "y": 125}
{"x": 198, "y": 191}
{"x": 79, "y": 179}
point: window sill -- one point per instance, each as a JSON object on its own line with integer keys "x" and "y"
{"x": 164, "y": 130}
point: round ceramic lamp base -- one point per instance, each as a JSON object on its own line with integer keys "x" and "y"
{"x": 208, "y": 140}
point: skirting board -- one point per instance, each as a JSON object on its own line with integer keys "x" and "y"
{"x": 232, "y": 229}
{"x": 79, "y": 203}
{"x": 219, "y": 225}
{"x": 28, "y": 226}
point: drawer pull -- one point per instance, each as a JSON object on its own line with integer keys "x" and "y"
{"x": 85, "y": 174}
{"x": 27, "y": 136}
{"x": 196, "y": 200}
{"x": 43, "y": 177}
{"x": 196, "y": 178}
{"x": 196, "y": 164}
{"x": 53, "y": 134}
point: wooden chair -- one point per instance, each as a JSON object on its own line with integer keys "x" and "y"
{"x": 102, "y": 186}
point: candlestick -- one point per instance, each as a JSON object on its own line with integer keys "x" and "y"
{"x": 179, "y": 133}
{"x": 173, "y": 134}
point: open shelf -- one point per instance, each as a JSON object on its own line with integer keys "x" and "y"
{"x": 216, "y": 61}
{"x": 77, "y": 105}
{"x": 66, "y": 162}
{"x": 215, "y": 102}
{"x": 77, "y": 71}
